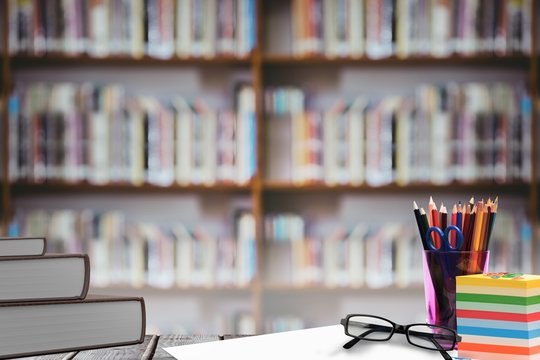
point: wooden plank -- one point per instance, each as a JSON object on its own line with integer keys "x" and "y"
{"x": 143, "y": 351}
{"x": 177, "y": 340}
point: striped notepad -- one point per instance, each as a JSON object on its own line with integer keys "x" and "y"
{"x": 498, "y": 316}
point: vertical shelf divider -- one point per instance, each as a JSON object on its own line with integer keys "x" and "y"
{"x": 4, "y": 137}
{"x": 533, "y": 86}
{"x": 256, "y": 188}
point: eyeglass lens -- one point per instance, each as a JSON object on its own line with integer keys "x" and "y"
{"x": 370, "y": 328}
{"x": 431, "y": 337}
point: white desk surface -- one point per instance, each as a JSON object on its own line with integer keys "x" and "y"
{"x": 316, "y": 343}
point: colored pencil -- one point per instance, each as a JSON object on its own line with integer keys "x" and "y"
{"x": 454, "y": 222}
{"x": 444, "y": 217}
{"x": 431, "y": 206}
{"x": 477, "y": 227}
{"x": 472, "y": 220}
{"x": 434, "y": 221}
{"x": 492, "y": 222}
{"x": 459, "y": 217}
{"x": 483, "y": 226}
{"x": 420, "y": 225}
{"x": 425, "y": 220}
{"x": 465, "y": 229}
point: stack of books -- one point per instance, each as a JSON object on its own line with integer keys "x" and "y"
{"x": 497, "y": 316}
{"x": 45, "y": 307}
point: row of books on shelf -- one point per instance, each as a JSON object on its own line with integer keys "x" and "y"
{"x": 156, "y": 28}
{"x": 374, "y": 256}
{"x": 101, "y": 134}
{"x": 442, "y": 134}
{"x": 282, "y": 323}
{"x": 140, "y": 254}
{"x": 45, "y": 296}
{"x": 236, "y": 322}
{"x": 239, "y": 322}
{"x": 364, "y": 255}
{"x": 405, "y": 28}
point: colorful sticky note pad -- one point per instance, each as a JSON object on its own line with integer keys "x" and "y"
{"x": 498, "y": 316}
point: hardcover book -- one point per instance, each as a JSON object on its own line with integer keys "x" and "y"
{"x": 47, "y": 327}
{"x": 22, "y": 246}
{"x": 47, "y": 277}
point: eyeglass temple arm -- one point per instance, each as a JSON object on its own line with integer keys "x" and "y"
{"x": 351, "y": 343}
{"x": 441, "y": 350}
{"x": 373, "y": 327}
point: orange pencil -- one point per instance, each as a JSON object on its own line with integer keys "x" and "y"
{"x": 478, "y": 226}
{"x": 483, "y": 230}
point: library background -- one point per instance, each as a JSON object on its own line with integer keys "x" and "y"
{"x": 250, "y": 166}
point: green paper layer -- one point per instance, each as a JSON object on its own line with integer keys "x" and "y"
{"x": 498, "y": 299}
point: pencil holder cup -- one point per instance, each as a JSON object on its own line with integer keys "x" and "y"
{"x": 440, "y": 271}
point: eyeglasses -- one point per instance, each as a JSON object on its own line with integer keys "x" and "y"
{"x": 376, "y": 328}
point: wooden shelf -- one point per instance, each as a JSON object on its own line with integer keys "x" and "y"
{"x": 514, "y": 188}
{"x": 268, "y": 186}
{"x": 23, "y": 61}
{"x": 519, "y": 61}
{"x": 295, "y": 289}
{"x": 20, "y": 188}
{"x": 192, "y": 290}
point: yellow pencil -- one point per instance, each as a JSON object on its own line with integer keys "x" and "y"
{"x": 483, "y": 231}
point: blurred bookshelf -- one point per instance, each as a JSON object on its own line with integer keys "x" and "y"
{"x": 194, "y": 143}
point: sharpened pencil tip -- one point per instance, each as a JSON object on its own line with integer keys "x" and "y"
{"x": 415, "y": 205}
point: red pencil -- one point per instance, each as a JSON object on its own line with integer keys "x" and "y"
{"x": 434, "y": 221}
{"x": 430, "y": 208}
{"x": 454, "y": 222}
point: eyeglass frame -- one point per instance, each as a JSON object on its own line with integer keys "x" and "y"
{"x": 400, "y": 329}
